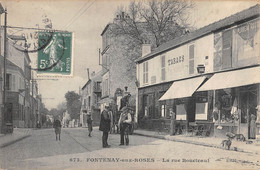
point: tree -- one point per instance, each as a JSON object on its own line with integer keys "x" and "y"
{"x": 154, "y": 21}
{"x": 73, "y": 104}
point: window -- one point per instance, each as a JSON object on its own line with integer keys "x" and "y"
{"x": 8, "y": 81}
{"x": 191, "y": 59}
{"x": 106, "y": 90}
{"x": 163, "y": 110}
{"x": 145, "y": 72}
{"x": 85, "y": 103}
{"x": 163, "y": 68}
{"x": 89, "y": 101}
{"x": 98, "y": 86}
{"x": 227, "y": 53}
{"x": 105, "y": 87}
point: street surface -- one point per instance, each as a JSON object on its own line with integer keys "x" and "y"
{"x": 78, "y": 151}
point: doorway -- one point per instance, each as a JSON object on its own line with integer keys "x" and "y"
{"x": 248, "y": 103}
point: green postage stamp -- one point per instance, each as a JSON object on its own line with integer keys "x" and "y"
{"x": 55, "y": 54}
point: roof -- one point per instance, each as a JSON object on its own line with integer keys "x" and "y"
{"x": 10, "y": 65}
{"x": 250, "y": 13}
{"x": 96, "y": 78}
{"x": 12, "y": 38}
{"x": 89, "y": 80}
{"x": 105, "y": 29}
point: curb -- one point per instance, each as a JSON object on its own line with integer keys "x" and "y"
{"x": 195, "y": 143}
{"x": 14, "y": 141}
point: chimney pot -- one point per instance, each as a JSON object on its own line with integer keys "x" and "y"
{"x": 146, "y": 48}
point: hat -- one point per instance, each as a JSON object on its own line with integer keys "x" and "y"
{"x": 124, "y": 108}
{"x": 127, "y": 108}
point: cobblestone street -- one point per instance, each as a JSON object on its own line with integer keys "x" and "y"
{"x": 77, "y": 151}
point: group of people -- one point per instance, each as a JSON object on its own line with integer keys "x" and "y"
{"x": 123, "y": 123}
{"x": 106, "y": 126}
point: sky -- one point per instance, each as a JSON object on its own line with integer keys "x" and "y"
{"x": 87, "y": 19}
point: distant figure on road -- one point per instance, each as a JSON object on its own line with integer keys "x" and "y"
{"x": 57, "y": 127}
{"x": 89, "y": 122}
{"x": 105, "y": 126}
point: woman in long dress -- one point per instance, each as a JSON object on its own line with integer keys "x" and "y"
{"x": 252, "y": 126}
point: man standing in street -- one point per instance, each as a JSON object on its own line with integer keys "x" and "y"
{"x": 173, "y": 122}
{"x": 89, "y": 122}
{"x": 105, "y": 126}
{"x": 57, "y": 127}
{"x": 124, "y": 122}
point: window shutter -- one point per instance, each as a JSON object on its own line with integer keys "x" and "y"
{"x": 191, "y": 59}
{"x": 13, "y": 83}
{"x": 227, "y": 54}
{"x": 191, "y": 52}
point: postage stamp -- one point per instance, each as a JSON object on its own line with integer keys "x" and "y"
{"x": 55, "y": 57}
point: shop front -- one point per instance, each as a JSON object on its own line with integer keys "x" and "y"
{"x": 236, "y": 97}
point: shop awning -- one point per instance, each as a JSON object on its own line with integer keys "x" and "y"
{"x": 183, "y": 88}
{"x": 231, "y": 79}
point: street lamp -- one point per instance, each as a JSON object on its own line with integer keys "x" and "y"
{"x": 201, "y": 68}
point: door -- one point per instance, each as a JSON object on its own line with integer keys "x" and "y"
{"x": 248, "y": 103}
{"x": 145, "y": 105}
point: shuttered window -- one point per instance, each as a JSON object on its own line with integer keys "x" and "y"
{"x": 145, "y": 72}
{"x": 8, "y": 84}
{"x": 191, "y": 59}
{"x": 163, "y": 72}
{"x": 227, "y": 47}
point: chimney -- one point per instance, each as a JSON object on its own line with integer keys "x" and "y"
{"x": 93, "y": 74}
{"x": 146, "y": 48}
{"x": 88, "y": 73}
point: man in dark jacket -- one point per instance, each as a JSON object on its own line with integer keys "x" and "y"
{"x": 105, "y": 126}
{"x": 57, "y": 127}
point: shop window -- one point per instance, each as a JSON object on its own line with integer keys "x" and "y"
{"x": 163, "y": 110}
{"x": 226, "y": 98}
{"x": 163, "y": 72}
{"x": 248, "y": 102}
{"x": 181, "y": 112}
{"x": 201, "y": 105}
{"x": 191, "y": 59}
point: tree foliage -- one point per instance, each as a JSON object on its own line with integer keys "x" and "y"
{"x": 73, "y": 104}
{"x": 155, "y": 21}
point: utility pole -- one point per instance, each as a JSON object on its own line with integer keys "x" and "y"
{"x": 5, "y": 55}
{"x": 32, "y": 96}
{"x": 2, "y": 10}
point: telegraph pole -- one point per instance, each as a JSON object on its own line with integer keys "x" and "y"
{"x": 4, "y": 82}
{"x": 2, "y": 10}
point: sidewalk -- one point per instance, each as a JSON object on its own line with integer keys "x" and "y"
{"x": 204, "y": 141}
{"x": 17, "y": 135}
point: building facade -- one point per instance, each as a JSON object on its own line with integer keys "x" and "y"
{"x": 18, "y": 77}
{"x": 21, "y": 102}
{"x": 118, "y": 71}
{"x": 208, "y": 76}
{"x": 90, "y": 96}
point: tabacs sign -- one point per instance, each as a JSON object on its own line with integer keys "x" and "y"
{"x": 56, "y": 55}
